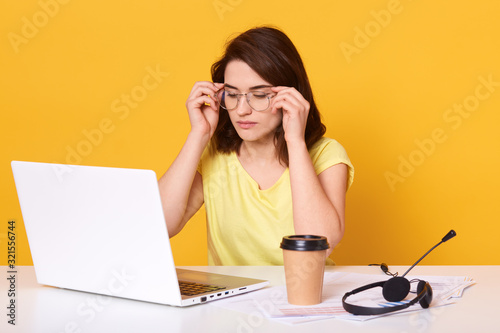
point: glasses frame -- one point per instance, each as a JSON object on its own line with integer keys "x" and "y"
{"x": 247, "y": 98}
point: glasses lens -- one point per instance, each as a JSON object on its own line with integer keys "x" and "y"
{"x": 221, "y": 99}
{"x": 227, "y": 99}
{"x": 259, "y": 101}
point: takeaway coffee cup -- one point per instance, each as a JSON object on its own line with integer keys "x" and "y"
{"x": 304, "y": 259}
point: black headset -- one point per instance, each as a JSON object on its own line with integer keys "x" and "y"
{"x": 395, "y": 290}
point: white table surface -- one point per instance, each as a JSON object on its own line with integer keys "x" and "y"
{"x": 46, "y": 309}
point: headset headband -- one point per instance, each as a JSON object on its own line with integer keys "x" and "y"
{"x": 364, "y": 310}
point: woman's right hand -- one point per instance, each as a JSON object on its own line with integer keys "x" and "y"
{"x": 203, "y": 108}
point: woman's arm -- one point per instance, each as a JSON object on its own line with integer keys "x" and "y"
{"x": 318, "y": 200}
{"x": 181, "y": 187}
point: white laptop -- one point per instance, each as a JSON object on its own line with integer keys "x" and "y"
{"x": 102, "y": 230}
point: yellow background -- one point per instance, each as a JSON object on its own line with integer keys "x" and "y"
{"x": 389, "y": 77}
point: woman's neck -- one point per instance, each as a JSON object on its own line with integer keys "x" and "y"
{"x": 263, "y": 153}
{"x": 261, "y": 163}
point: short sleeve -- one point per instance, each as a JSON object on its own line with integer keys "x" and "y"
{"x": 203, "y": 159}
{"x": 328, "y": 152}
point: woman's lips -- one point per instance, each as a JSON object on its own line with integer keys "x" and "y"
{"x": 246, "y": 124}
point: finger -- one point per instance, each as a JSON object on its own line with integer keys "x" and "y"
{"x": 204, "y": 88}
{"x": 214, "y": 104}
{"x": 288, "y": 90}
{"x": 277, "y": 89}
{"x": 287, "y": 102}
{"x": 199, "y": 84}
{"x": 201, "y": 101}
{"x": 205, "y": 91}
{"x": 209, "y": 101}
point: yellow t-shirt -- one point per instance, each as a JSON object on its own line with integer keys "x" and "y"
{"x": 245, "y": 224}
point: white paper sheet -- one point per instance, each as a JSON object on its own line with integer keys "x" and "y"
{"x": 272, "y": 302}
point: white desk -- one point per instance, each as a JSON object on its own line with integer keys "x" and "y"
{"x": 46, "y": 309}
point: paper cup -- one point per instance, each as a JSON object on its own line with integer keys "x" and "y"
{"x": 304, "y": 259}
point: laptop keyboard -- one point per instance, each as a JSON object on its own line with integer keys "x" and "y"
{"x": 191, "y": 288}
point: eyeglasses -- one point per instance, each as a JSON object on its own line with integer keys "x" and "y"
{"x": 258, "y": 100}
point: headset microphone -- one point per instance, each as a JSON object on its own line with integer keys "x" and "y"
{"x": 396, "y": 289}
{"x": 448, "y": 236}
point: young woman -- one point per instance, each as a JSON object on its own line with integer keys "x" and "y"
{"x": 256, "y": 156}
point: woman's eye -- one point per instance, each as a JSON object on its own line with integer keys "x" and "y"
{"x": 260, "y": 95}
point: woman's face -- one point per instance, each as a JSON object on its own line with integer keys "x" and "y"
{"x": 251, "y": 125}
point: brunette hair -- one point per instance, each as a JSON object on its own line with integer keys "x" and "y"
{"x": 272, "y": 55}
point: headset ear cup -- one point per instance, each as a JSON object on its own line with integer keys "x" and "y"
{"x": 396, "y": 289}
{"x": 426, "y": 300}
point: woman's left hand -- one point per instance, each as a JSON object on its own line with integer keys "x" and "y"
{"x": 295, "y": 110}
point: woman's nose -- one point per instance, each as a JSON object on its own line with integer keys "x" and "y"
{"x": 243, "y": 107}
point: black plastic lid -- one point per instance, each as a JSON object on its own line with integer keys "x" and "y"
{"x": 304, "y": 243}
